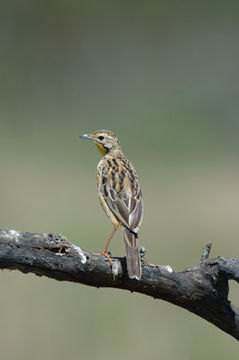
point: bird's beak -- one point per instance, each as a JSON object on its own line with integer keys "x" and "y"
{"x": 86, "y": 136}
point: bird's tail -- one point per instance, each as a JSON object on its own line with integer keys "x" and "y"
{"x": 132, "y": 253}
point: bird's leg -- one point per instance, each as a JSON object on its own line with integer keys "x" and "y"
{"x": 104, "y": 252}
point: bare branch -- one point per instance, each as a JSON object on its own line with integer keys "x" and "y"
{"x": 206, "y": 252}
{"x": 202, "y": 289}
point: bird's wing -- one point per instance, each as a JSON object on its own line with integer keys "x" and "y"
{"x": 122, "y": 194}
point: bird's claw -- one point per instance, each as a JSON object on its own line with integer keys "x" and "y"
{"x": 107, "y": 255}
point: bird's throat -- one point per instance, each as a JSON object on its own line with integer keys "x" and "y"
{"x": 101, "y": 148}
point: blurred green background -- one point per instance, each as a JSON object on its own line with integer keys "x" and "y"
{"x": 164, "y": 77}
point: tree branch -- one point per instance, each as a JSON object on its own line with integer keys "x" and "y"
{"x": 203, "y": 289}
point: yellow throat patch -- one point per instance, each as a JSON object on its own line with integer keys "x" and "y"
{"x": 101, "y": 148}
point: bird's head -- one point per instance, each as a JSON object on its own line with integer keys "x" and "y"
{"x": 105, "y": 140}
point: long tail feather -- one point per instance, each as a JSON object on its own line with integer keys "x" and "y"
{"x": 132, "y": 254}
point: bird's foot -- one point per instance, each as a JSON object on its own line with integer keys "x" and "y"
{"x": 107, "y": 255}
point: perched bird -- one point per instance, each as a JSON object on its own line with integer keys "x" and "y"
{"x": 120, "y": 196}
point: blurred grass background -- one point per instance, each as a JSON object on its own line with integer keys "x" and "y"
{"x": 164, "y": 77}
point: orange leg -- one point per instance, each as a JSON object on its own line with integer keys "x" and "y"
{"x": 104, "y": 252}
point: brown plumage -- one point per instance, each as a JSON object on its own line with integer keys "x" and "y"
{"x": 120, "y": 195}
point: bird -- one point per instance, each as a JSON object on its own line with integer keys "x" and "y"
{"x": 120, "y": 196}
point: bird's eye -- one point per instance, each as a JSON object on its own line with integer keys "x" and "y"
{"x": 101, "y": 137}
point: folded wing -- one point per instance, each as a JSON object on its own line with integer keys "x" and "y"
{"x": 123, "y": 196}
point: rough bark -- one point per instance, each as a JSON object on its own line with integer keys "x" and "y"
{"x": 202, "y": 289}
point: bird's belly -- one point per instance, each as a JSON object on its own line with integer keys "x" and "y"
{"x": 107, "y": 210}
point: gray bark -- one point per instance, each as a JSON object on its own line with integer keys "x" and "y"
{"x": 202, "y": 289}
